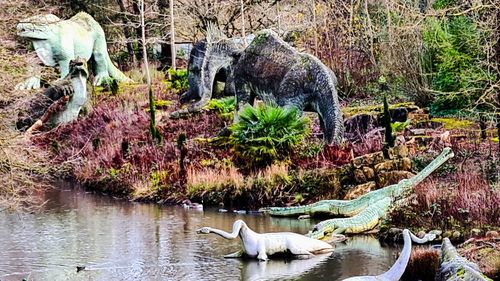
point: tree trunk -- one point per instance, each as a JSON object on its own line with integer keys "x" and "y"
{"x": 126, "y": 32}
{"x": 155, "y": 135}
{"x": 139, "y": 30}
{"x": 172, "y": 35}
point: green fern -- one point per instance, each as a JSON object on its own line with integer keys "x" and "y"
{"x": 267, "y": 134}
{"x": 223, "y": 107}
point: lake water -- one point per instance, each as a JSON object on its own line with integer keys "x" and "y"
{"x": 121, "y": 240}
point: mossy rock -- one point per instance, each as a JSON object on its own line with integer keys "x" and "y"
{"x": 453, "y": 124}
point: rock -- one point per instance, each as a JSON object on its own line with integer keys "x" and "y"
{"x": 492, "y": 234}
{"x": 360, "y": 124}
{"x": 359, "y": 190}
{"x": 394, "y": 231}
{"x": 404, "y": 164}
{"x": 436, "y": 232}
{"x": 418, "y": 115}
{"x": 447, "y": 234}
{"x": 392, "y": 177}
{"x": 417, "y": 132}
{"x": 456, "y": 235}
{"x": 401, "y": 151}
{"x": 399, "y": 114}
{"x": 384, "y": 166}
{"x": 421, "y": 234}
{"x": 475, "y": 232}
{"x": 368, "y": 159}
{"x": 369, "y": 173}
{"x": 359, "y": 176}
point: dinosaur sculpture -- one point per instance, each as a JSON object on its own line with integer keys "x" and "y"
{"x": 61, "y": 103}
{"x": 454, "y": 267}
{"x": 396, "y": 271}
{"x": 261, "y": 245}
{"x": 195, "y": 66}
{"x": 275, "y": 72}
{"x": 57, "y": 42}
{"x": 363, "y": 213}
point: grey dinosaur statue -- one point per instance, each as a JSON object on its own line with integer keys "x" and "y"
{"x": 57, "y": 42}
{"x": 455, "y": 268}
{"x": 195, "y": 66}
{"x": 60, "y": 103}
{"x": 398, "y": 268}
{"x": 360, "y": 214}
{"x": 261, "y": 245}
{"x": 275, "y": 72}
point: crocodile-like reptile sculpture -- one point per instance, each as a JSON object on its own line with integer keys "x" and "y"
{"x": 363, "y": 213}
{"x": 60, "y": 103}
{"x": 262, "y": 245}
{"x": 57, "y": 42}
{"x": 398, "y": 268}
{"x": 269, "y": 68}
{"x": 454, "y": 267}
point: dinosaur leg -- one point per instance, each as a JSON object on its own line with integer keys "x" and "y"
{"x": 243, "y": 96}
{"x": 237, "y": 254}
{"x": 64, "y": 67}
{"x": 331, "y": 121}
{"x": 261, "y": 253}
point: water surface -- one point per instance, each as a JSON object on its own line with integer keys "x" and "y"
{"x": 121, "y": 240}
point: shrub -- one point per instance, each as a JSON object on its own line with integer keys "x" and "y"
{"x": 178, "y": 79}
{"x": 454, "y": 60}
{"x": 224, "y": 107}
{"x": 267, "y": 134}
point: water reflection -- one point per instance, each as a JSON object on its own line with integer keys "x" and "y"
{"x": 280, "y": 269}
{"x": 119, "y": 240}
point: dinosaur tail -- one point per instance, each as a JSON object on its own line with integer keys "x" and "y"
{"x": 116, "y": 73}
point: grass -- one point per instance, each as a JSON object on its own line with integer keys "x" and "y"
{"x": 461, "y": 199}
{"x": 23, "y": 166}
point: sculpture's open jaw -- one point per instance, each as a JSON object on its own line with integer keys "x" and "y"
{"x": 79, "y": 69}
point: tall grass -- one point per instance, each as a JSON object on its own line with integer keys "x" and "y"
{"x": 461, "y": 199}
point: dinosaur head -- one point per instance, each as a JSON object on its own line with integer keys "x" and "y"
{"x": 207, "y": 60}
{"x": 37, "y": 27}
{"x": 196, "y": 57}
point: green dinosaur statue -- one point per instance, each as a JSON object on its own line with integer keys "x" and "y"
{"x": 57, "y": 42}
{"x": 454, "y": 267}
{"x": 363, "y": 213}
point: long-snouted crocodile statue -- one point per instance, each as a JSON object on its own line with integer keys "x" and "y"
{"x": 398, "y": 268}
{"x": 455, "y": 268}
{"x": 262, "y": 245}
{"x": 57, "y": 42}
{"x": 363, "y": 213}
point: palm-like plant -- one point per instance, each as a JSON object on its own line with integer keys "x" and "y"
{"x": 266, "y": 134}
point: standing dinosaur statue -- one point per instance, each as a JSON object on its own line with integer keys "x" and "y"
{"x": 261, "y": 245}
{"x": 57, "y": 42}
{"x": 396, "y": 271}
{"x": 363, "y": 213}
